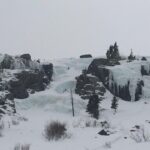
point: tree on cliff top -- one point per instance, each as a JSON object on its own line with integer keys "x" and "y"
{"x": 113, "y": 52}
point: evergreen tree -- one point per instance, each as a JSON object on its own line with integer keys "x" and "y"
{"x": 131, "y": 57}
{"x": 93, "y": 106}
{"x": 116, "y": 54}
{"x": 114, "y": 104}
{"x": 113, "y": 52}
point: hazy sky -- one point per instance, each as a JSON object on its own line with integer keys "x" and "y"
{"x": 68, "y": 28}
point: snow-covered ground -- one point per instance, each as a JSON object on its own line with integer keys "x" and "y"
{"x": 55, "y": 104}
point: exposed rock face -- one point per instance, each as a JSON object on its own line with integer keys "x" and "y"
{"x": 104, "y": 75}
{"x": 87, "y": 85}
{"x": 18, "y": 90}
{"x": 48, "y": 69}
{"x": 27, "y": 80}
{"x": 30, "y": 77}
{"x": 86, "y": 56}
{"x": 102, "y": 62}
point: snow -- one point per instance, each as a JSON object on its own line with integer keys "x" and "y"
{"x": 55, "y": 104}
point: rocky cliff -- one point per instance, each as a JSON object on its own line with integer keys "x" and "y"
{"x": 19, "y": 77}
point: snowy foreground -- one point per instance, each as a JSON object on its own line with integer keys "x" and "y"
{"x": 55, "y": 104}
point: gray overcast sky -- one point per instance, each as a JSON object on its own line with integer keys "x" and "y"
{"x": 67, "y": 28}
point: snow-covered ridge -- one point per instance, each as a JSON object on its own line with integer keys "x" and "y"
{"x": 55, "y": 104}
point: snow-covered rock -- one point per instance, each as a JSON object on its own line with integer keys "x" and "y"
{"x": 21, "y": 76}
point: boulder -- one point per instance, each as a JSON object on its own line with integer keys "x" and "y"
{"x": 104, "y": 133}
{"x": 86, "y": 56}
{"x": 6, "y": 62}
{"x": 26, "y": 57}
{"x": 143, "y": 59}
{"x": 26, "y": 60}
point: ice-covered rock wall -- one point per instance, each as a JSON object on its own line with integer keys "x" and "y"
{"x": 125, "y": 80}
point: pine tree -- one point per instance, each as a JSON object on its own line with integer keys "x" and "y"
{"x": 131, "y": 57}
{"x": 113, "y": 52}
{"x": 93, "y": 106}
{"x": 114, "y": 104}
{"x": 116, "y": 54}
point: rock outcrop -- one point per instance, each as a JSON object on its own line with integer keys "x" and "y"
{"x": 86, "y": 56}
{"x": 7, "y": 62}
{"x": 124, "y": 81}
{"x": 19, "y": 77}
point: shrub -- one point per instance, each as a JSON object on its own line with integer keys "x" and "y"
{"x": 105, "y": 125}
{"x": 23, "y": 119}
{"x": 114, "y": 104}
{"x": 92, "y": 123}
{"x": 55, "y": 130}
{"x": 22, "y": 147}
{"x": 131, "y": 57}
{"x": 107, "y": 145}
{"x": 143, "y": 59}
{"x": 1, "y": 125}
{"x": 15, "y": 122}
{"x": 86, "y": 122}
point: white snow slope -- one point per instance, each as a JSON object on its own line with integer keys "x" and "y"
{"x": 55, "y": 104}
